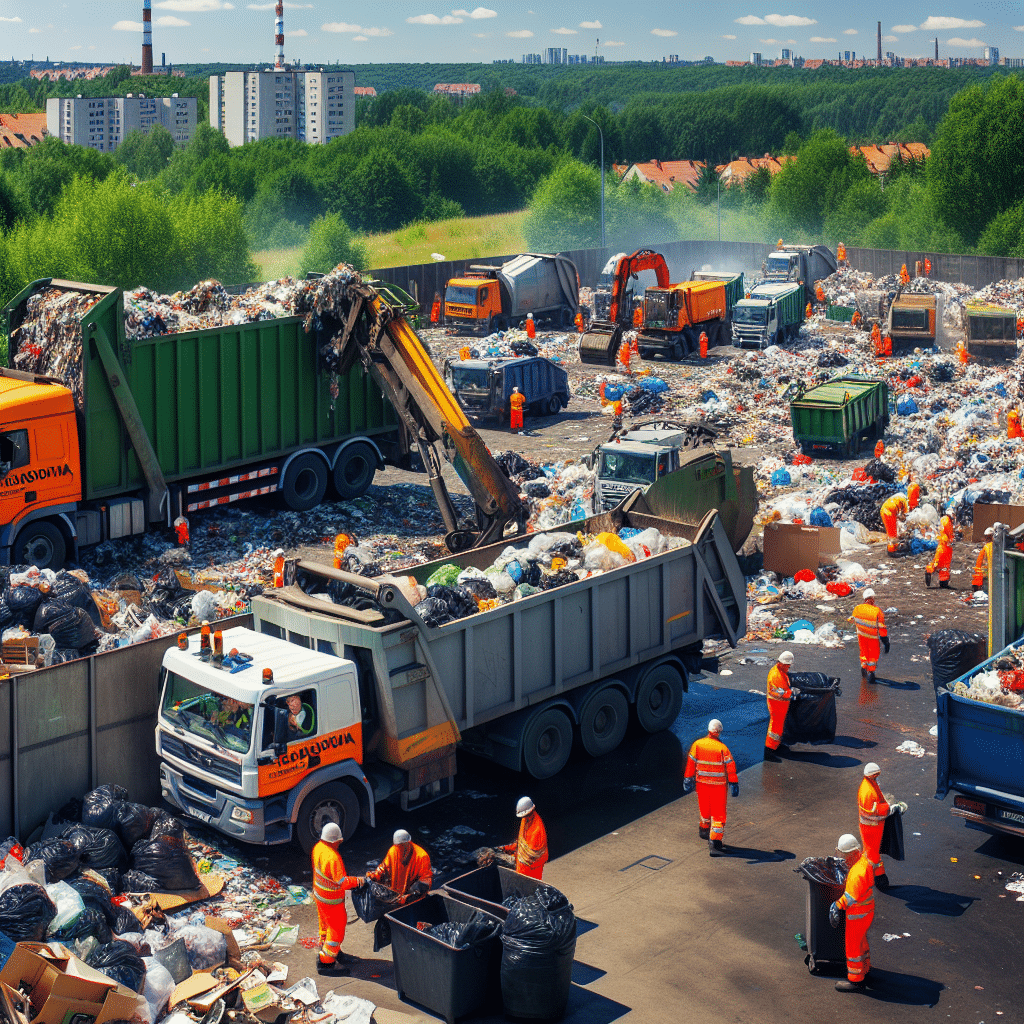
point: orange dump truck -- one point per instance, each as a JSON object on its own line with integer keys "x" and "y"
{"x": 677, "y": 315}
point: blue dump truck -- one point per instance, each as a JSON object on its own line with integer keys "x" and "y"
{"x": 483, "y": 386}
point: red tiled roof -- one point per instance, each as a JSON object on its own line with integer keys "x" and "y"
{"x": 457, "y": 87}
{"x": 19, "y": 131}
{"x": 365, "y": 90}
{"x": 879, "y": 157}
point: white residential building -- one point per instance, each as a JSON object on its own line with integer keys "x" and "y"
{"x": 103, "y": 122}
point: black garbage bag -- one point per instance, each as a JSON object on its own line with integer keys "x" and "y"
{"x": 23, "y": 600}
{"x": 64, "y": 654}
{"x": 119, "y": 961}
{"x": 479, "y": 928}
{"x": 862, "y": 502}
{"x": 458, "y": 600}
{"x": 59, "y": 855}
{"x": 514, "y": 465}
{"x": 954, "y": 652}
{"x": 94, "y": 896}
{"x": 26, "y": 912}
{"x": 71, "y": 811}
{"x": 373, "y": 901}
{"x": 892, "y": 836}
{"x": 70, "y": 590}
{"x": 827, "y": 359}
{"x": 482, "y": 588}
{"x": 824, "y": 870}
{"x": 964, "y": 508}
{"x": 6, "y": 612}
{"x": 811, "y": 717}
{"x": 97, "y": 847}
{"x": 558, "y": 579}
{"x": 75, "y": 629}
{"x": 434, "y": 612}
{"x": 941, "y": 373}
{"x": 89, "y": 923}
{"x": 166, "y": 858}
{"x": 523, "y": 348}
{"x": 165, "y": 824}
{"x": 878, "y": 470}
{"x": 112, "y": 877}
{"x": 126, "y": 922}
{"x": 133, "y": 822}
{"x": 536, "y": 489}
{"x": 138, "y": 881}
{"x": 99, "y": 805}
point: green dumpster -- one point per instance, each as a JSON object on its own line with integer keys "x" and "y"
{"x": 834, "y": 418}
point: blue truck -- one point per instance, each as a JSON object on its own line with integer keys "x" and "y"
{"x": 482, "y": 386}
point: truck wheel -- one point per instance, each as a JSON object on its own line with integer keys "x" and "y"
{"x": 40, "y": 544}
{"x": 353, "y": 472}
{"x": 547, "y": 743}
{"x": 659, "y": 698}
{"x": 554, "y": 406}
{"x": 305, "y": 482}
{"x": 334, "y": 802}
{"x": 677, "y": 351}
{"x": 603, "y": 721}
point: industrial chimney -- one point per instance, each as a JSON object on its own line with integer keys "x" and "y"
{"x": 879, "y": 42}
{"x": 279, "y": 33}
{"x": 936, "y": 47}
{"x": 147, "y": 38}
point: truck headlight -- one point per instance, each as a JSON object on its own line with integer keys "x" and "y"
{"x": 242, "y": 815}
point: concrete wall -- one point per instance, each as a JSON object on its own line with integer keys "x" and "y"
{"x": 67, "y": 729}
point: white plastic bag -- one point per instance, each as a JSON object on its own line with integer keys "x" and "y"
{"x": 158, "y": 990}
{"x": 650, "y": 539}
{"x": 204, "y": 605}
{"x": 68, "y": 903}
{"x": 597, "y": 556}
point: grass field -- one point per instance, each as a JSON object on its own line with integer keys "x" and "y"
{"x": 465, "y": 238}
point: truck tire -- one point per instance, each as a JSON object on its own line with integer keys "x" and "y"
{"x": 304, "y": 483}
{"x": 334, "y": 802}
{"x": 677, "y": 351}
{"x": 603, "y": 721}
{"x": 554, "y": 406}
{"x": 659, "y": 697}
{"x": 354, "y": 470}
{"x": 547, "y": 743}
{"x": 41, "y": 544}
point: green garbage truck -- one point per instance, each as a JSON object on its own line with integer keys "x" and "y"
{"x": 772, "y": 315}
{"x": 838, "y": 416}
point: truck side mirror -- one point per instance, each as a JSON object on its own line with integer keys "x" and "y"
{"x": 279, "y": 731}
{"x": 588, "y": 461}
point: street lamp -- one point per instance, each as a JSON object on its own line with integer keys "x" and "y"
{"x": 598, "y": 127}
{"x": 725, "y": 176}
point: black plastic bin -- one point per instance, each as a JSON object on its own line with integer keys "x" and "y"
{"x": 487, "y": 888}
{"x": 954, "y": 652}
{"x": 812, "y": 715}
{"x": 446, "y": 981}
{"x": 826, "y": 946}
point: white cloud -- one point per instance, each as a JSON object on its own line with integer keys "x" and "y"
{"x": 665, "y": 33}
{"x": 565, "y": 32}
{"x": 16, "y": 18}
{"x": 477, "y": 13}
{"x": 1016, "y": 28}
{"x": 751, "y": 19}
{"x": 849, "y": 32}
{"x": 890, "y": 39}
{"x": 35, "y": 31}
{"x": 343, "y": 26}
{"x": 788, "y": 20}
{"x": 901, "y": 29}
{"x": 359, "y": 39}
{"x": 288, "y": 7}
{"x": 297, "y": 34}
{"x": 822, "y": 39}
{"x": 966, "y": 43}
{"x": 120, "y": 26}
{"x": 770, "y": 41}
{"x": 76, "y": 47}
{"x": 728, "y": 37}
{"x": 942, "y": 24}
{"x": 433, "y": 19}
{"x": 520, "y": 33}
{"x": 613, "y": 42}
{"x": 591, "y": 24}
{"x": 170, "y": 21}
{"x": 193, "y": 6}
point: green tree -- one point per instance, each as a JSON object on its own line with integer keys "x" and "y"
{"x": 331, "y": 242}
{"x": 383, "y": 193}
{"x": 565, "y": 212}
{"x": 210, "y": 240}
{"x": 756, "y": 186}
{"x": 12, "y": 204}
{"x": 865, "y": 201}
{"x": 1004, "y": 233}
{"x": 146, "y": 155}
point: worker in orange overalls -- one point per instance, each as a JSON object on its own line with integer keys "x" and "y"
{"x": 983, "y": 566}
{"x": 638, "y": 316}
{"x": 946, "y": 527}
{"x": 342, "y": 542}
{"x": 856, "y": 319}
{"x": 883, "y": 345}
{"x": 841, "y": 254}
{"x": 942, "y": 560}
{"x": 872, "y": 810}
{"x": 531, "y": 327}
{"x": 858, "y": 900}
{"x": 927, "y": 267}
{"x": 709, "y": 768}
{"x": 819, "y": 293}
{"x": 329, "y": 885}
{"x": 876, "y": 336}
{"x": 578, "y": 321}
{"x": 435, "y": 309}
{"x": 405, "y": 868}
{"x": 1013, "y": 428}
{"x": 904, "y": 275}
{"x": 516, "y": 401}
{"x": 808, "y": 312}
{"x": 879, "y": 448}
{"x": 703, "y": 344}
{"x": 780, "y": 693}
{"x": 913, "y": 494}
{"x": 870, "y": 622}
{"x": 531, "y": 849}
{"x": 893, "y": 509}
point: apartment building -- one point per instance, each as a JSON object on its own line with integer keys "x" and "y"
{"x": 311, "y": 106}
{"x": 103, "y": 122}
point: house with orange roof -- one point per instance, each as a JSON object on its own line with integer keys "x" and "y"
{"x": 19, "y": 131}
{"x": 364, "y": 90}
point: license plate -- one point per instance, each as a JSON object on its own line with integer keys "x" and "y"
{"x": 1012, "y": 816}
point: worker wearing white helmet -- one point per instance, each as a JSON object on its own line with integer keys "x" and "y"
{"x": 405, "y": 868}
{"x": 709, "y": 769}
{"x": 329, "y": 886}
{"x": 870, "y": 622}
{"x": 872, "y": 810}
{"x": 516, "y": 402}
{"x": 780, "y": 694}
{"x": 531, "y": 848}
{"x": 858, "y": 900}
{"x": 983, "y": 566}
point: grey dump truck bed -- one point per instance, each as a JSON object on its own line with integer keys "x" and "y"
{"x": 480, "y": 671}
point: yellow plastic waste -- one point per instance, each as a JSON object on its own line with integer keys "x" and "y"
{"x": 612, "y": 543}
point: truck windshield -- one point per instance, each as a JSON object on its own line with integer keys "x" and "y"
{"x": 910, "y": 319}
{"x": 469, "y": 378}
{"x": 749, "y": 314}
{"x": 628, "y": 467}
{"x": 779, "y": 264}
{"x": 460, "y": 294}
{"x": 655, "y": 305}
{"x": 219, "y": 719}
{"x": 992, "y": 328}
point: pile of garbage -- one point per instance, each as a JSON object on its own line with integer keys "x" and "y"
{"x": 1001, "y": 683}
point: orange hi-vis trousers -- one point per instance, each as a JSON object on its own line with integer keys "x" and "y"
{"x": 872, "y": 810}
{"x": 711, "y": 765}
{"x": 858, "y": 901}
{"x": 942, "y": 560}
{"x": 779, "y": 694}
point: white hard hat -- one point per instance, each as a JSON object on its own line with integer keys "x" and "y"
{"x": 989, "y": 532}
{"x": 331, "y": 833}
{"x": 524, "y": 807}
{"x": 868, "y": 593}
{"x": 871, "y": 769}
{"x": 715, "y": 725}
{"x": 401, "y": 836}
{"x": 516, "y": 390}
{"x": 279, "y": 552}
{"x": 847, "y": 843}
{"x": 529, "y": 316}
{"x": 786, "y": 658}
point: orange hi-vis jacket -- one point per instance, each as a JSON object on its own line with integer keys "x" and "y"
{"x": 532, "y": 846}
{"x": 892, "y": 506}
{"x": 913, "y": 495}
{"x": 946, "y": 527}
{"x": 329, "y": 885}
{"x": 858, "y": 900}
{"x": 870, "y": 623}
{"x": 872, "y": 811}
{"x": 942, "y": 559}
{"x": 711, "y": 764}
{"x": 779, "y": 696}
{"x": 982, "y": 566}
{"x": 402, "y": 873}
{"x": 1013, "y": 428}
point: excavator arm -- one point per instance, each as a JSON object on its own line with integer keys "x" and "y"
{"x": 368, "y": 329}
{"x": 642, "y": 259}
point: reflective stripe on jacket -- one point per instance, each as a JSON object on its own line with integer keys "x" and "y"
{"x": 859, "y": 898}
{"x": 778, "y": 683}
{"x": 711, "y": 763}
{"x": 329, "y": 878}
{"x": 869, "y": 620}
{"x": 871, "y": 804}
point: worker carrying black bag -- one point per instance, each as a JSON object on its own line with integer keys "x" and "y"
{"x": 812, "y": 712}
{"x": 892, "y": 836}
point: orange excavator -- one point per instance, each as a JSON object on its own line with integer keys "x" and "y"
{"x": 601, "y": 341}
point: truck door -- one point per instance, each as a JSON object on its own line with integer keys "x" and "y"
{"x": 37, "y": 467}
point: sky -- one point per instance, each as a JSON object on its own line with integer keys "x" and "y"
{"x": 411, "y": 31}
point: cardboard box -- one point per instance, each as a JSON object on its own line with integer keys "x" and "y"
{"x": 987, "y": 515}
{"x": 60, "y": 985}
{"x": 789, "y": 547}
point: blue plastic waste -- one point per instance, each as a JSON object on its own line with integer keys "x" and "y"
{"x": 919, "y": 545}
{"x": 629, "y": 531}
{"x": 613, "y": 392}
{"x": 655, "y": 384}
{"x": 709, "y": 396}
{"x": 515, "y": 570}
{"x": 1000, "y": 389}
{"x": 781, "y": 478}
{"x": 819, "y": 517}
{"x": 906, "y": 407}
{"x": 800, "y": 624}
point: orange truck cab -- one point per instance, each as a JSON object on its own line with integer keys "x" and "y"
{"x": 676, "y": 315}
{"x": 474, "y": 302}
